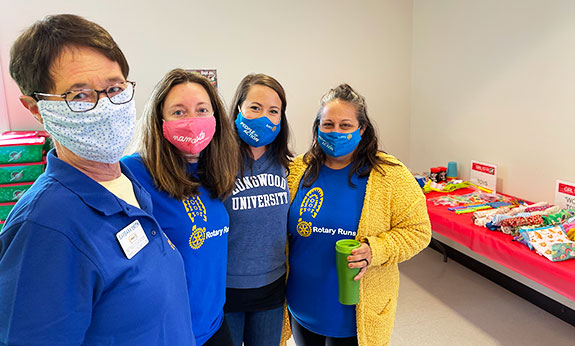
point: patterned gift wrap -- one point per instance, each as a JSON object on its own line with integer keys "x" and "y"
{"x": 21, "y": 172}
{"x": 5, "y": 210}
{"x": 19, "y": 150}
{"x": 13, "y": 192}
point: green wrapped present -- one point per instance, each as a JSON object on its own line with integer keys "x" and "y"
{"x": 18, "y": 150}
{"x": 48, "y": 143}
{"x": 21, "y": 172}
{"x": 5, "y": 210}
{"x": 13, "y": 192}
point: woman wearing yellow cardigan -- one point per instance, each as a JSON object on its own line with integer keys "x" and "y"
{"x": 344, "y": 187}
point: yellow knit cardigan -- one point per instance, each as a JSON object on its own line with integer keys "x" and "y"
{"x": 395, "y": 222}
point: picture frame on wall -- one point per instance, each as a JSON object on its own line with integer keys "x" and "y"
{"x": 210, "y": 74}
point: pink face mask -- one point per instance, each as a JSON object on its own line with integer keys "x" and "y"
{"x": 190, "y": 135}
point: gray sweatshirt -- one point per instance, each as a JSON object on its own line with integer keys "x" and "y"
{"x": 258, "y": 209}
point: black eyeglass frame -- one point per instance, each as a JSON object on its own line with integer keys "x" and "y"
{"x": 35, "y": 95}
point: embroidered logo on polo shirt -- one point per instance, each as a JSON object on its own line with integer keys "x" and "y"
{"x": 311, "y": 204}
{"x": 197, "y": 238}
{"x": 169, "y": 241}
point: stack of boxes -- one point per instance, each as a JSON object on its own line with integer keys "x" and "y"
{"x": 22, "y": 160}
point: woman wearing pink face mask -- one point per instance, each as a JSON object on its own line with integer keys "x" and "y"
{"x": 187, "y": 161}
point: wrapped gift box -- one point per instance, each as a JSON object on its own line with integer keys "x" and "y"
{"x": 30, "y": 134}
{"x": 19, "y": 150}
{"x": 21, "y": 172}
{"x": 13, "y": 192}
{"x": 5, "y": 210}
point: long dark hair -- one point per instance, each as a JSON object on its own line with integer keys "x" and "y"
{"x": 365, "y": 156}
{"x": 280, "y": 146}
{"x": 217, "y": 164}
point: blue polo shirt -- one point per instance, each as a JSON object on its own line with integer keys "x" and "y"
{"x": 319, "y": 216}
{"x": 198, "y": 227}
{"x": 65, "y": 280}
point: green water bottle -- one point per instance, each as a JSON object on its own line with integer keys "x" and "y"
{"x": 347, "y": 287}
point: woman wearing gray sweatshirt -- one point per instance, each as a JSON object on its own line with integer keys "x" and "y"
{"x": 258, "y": 210}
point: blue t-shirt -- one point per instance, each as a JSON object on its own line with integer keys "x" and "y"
{"x": 65, "y": 280}
{"x": 198, "y": 226}
{"x": 319, "y": 216}
{"x": 258, "y": 210}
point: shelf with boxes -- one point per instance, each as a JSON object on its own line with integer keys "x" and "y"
{"x": 22, "y": 161}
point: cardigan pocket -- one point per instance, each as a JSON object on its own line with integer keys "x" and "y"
{"x": 386, "y": 308}
{"x": 379, "y": 321}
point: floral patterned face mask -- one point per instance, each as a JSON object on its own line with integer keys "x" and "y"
{"x": 101, "y": 134}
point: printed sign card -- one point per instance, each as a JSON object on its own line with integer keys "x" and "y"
{"x": 565, "y": 194}
{"x": 210, "y": 74}
{"x": 484, "y": 174}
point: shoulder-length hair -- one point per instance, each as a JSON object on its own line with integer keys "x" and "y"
{"x": 217, "y": 163}
{"x": 364, "y": 157}
{"x": 280, "y": 146}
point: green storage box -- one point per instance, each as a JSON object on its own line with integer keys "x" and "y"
{"x": 18, "y": 150}
{"x": 21, "y": 172}
{"x": 5, "y": 209}
{"x": 13, "y": 192}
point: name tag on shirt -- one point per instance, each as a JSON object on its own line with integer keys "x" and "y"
{"x": 132, "y": 239}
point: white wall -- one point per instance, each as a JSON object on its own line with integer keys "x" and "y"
{"x": 445, "y": 80}
{"x": 309, "y": 46}
{"x": 494, "y": 80}
{"x": 4, "y": 120}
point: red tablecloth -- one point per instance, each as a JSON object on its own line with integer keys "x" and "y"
{"x": 499, "y": 247}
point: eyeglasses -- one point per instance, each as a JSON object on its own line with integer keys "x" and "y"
{"x": 84, "y": 100}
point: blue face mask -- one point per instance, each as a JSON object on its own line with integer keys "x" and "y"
{"x": 337, "y": 144}
{"x": 256, "y": 132}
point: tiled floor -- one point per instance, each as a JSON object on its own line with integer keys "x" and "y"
{"x": 447, "y": 304}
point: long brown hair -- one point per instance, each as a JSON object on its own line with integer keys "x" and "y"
{"x": 280, "y": 146}
{"x": 217, "y": 164}
{"x": 364, "y": 157}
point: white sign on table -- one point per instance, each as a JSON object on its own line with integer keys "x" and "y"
{"x": 484, "y": 175}
{"x": 565, "y": 194}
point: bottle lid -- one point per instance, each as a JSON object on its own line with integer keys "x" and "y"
{"x": 346, "y": 245}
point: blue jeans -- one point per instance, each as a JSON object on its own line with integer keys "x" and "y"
{"x": 260, "y": 328}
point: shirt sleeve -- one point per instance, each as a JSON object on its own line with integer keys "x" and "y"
{"x": 47, "y": 287}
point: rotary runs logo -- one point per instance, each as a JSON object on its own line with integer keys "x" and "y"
{"x": 311, "y": 204}
{"x": 195, "y": 208}
{"x": 197, "y": 238}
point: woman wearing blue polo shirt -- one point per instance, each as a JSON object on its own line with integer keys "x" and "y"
{"x": 187, "y": 160}
{"x": 344, "y": 187}
{"x": 258, "y": 210}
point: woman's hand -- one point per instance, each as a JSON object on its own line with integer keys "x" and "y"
{"x": 360, "y": 258}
